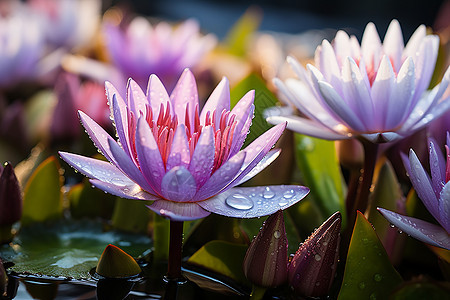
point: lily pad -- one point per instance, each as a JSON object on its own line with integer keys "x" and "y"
{"x": 368, "y": 272}
{"x": 321, "y": 172}
{"x": 66, "y": 248}
{"x": 42, "y": 196}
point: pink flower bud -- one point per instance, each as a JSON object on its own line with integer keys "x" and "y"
{"x": 265, "y": 263}
{"x": 311, "y": 271}
{"x": 10, "y": 196}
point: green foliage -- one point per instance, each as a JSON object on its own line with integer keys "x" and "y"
{"x": 42, "y": 196}
{"x": 368, "y": 272}
{"x": 131, "y": 215}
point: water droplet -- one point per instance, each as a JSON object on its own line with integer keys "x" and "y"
{"x": 325, "y": 243}
{"x": 268, "y": 193}
{"x": 238, "y": 201}
{"x": 377, "y": 277}
{"x": 288, "y": 194}
{"x": 317, "y": 283}
{"x": 365, "y": 240}
{"x": 277, "y": 234}
{"x": 362, "y": 285}
{"x": 317, "y": 257}
{"x": 283, "y": 202}
{"x": 373, "y": 296}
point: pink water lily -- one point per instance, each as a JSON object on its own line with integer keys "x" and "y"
{"x": 376, "y": 90}
{"x": 434, "y": 192}
{"x": 186, "y": 161}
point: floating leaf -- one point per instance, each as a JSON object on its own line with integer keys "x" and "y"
{"x": 264, "y": 99}
{"x": 42, "y": 195}
{"x": 317, "y": 160}
{"x": 67, "y": 249}
{"x": 368, "y": 272}
{"x": 223, "y": 258}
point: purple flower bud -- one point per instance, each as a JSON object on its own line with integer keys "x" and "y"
{"x": 266, "y": 260}
{"x": 10, "y": 196}
{"x": 311, "y": 271}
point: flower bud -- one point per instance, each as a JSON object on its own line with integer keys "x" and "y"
{"x": 265, "y": 263}
{"x": 311, "y": 270}
{"x": 115, "y": 263}
{"x": 10, "y": 196}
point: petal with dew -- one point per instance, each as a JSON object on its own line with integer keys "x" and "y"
{"x": 132, "y": 191}
{"x": 179, "y": 154}
{"x": 128, "y": 167}
{"x": 185, "y": 94}
{"x": 243, "y": 110}
{"x": 221, "y": 177}
{"x": 96, "y": 169}
{"x": 149, "y": 156}
{"x": 381, "y": 92}
{"x": 202, "y": 160}
{"x": 422, "y": 184}
{"x": 383, "y": 137}
{"x": 253, "y": 202}
{"x": 437, "y": 168}
{"x": 137, "y": 101}
{"x": 418, "y": 229}
{"x": 178, "y": 185}
{"x": 393, "y": 43}
{"x": 329, "y": 66}
{"x": 156, "y": 94}
{"x": 120, "y": 116}
{"x": 263, "y": 163}
{"x": 176, "y": 211}
{"x": 444, "y": 207}
{"x": 217, "y": 102}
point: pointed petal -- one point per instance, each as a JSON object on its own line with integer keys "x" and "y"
{"x": 97, "y": 169}
{"x": 179, "y": 151}
{"x": 329, "y": 66}
{"x": 414, "y": 41}
{"x": 149, "y": 157}
{"x": 125, "y": 163}
{"x": 98, "y": 135}
{"x": 202, "y": 160}
{"x": 263, "y": 163}
{"x": 178, "y": 185}
{"x": 243, "y": 110}
{"x": 308, "y": 127}
{"x": 185, "y": 93}
{"x": 437, "y": 168}
{"x": 120, "y": 116}
{"x": 218, "y": 101}
{"x": 156, "y": 94}
{"x": 383, "y": 137}
{"x": 132, "y": 191}
{"x": 176, "y": 211}
{"x": 371, "y": 46}
{"x": 393, "y": 43}
{"x": 418, "y": 229}
{"x": 422, "y": 184}
{"x": 221, "y": 177}
{"x": 381, "y": 92}
{"x": 252, "y": 202}
{"x": 444, "y": 207}
{"x": 340, "y": 107}
{"x": 137, "y": 100}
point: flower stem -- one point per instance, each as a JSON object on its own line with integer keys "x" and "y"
{"x": 175, "y": 247}
{"x": 362, "y": 195}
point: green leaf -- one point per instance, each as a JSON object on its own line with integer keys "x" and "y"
{"x": 38, "y": 111}
{"x": 319, "y": 165}
{"x": 223, "y": 258}
{"x": 131, "y": 215}
{"x": 42, "y": 196}
{"x": 264, "y": 99}
{"x": 368, "y": 272}
{"x": 66, "y": 248}
{"x": 238, "y": 37}
{"x": 86, "y": 201}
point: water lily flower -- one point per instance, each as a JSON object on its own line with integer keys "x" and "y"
{"x": 311, "y": 270}
{"x": 266, "y": 260}
{"x": 374, "y": 90}
{"x": 142, "y": 49}
{"x": 21, "y": 45}
{"x": 434, "y": 192}
{"x": 186, "y": 161}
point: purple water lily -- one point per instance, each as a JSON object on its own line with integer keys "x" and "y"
{"x": 435, "y": 195}
{"x": 375, "y": 90}
{"x": 188, "y": 163}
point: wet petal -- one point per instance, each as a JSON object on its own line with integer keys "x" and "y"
{"x": 149, "y": 157}
{"x": 179, "y": 151}
{"x": 156, "y": 94}
{"x": 393, "y": 43}
{"x": 444, "y": 207}
{"x": 382, "y": 137}
{"x": 132, "y": 191}
{"x": 252, "y": 202}
{"x": 176, "y": 211}
{"x": 243, "y": 110}
{"x": 178, "y": 185}
{"x": 97, "y": 169}
{"x": 120, "y": 116}
{"x": 137, "y": 100}
{"x": 437, "y": 168}
{"x": 202, "y": 160}
{"x": 381, "y": 92}
{"x": 263, "y": 163}
{"x": 185, "y": 93}
{"x": 418, "y": 229}
{"x": 218, "y": 101}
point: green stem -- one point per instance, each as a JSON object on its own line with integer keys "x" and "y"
{"x": 160, "y": 238}
{"x": 257, "y": 292}
{"x": 175, "y": 248}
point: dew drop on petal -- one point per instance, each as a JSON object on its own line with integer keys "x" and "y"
{"x": 239, "y": 201}
{"x": 377, "y": 277}
{"x": 317, "y": 257}
{"x": 276, "y": 234}
{"x": 288, "y": 194}
{"x": 268, "y": 193}
{"x": 362, "y": 285}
